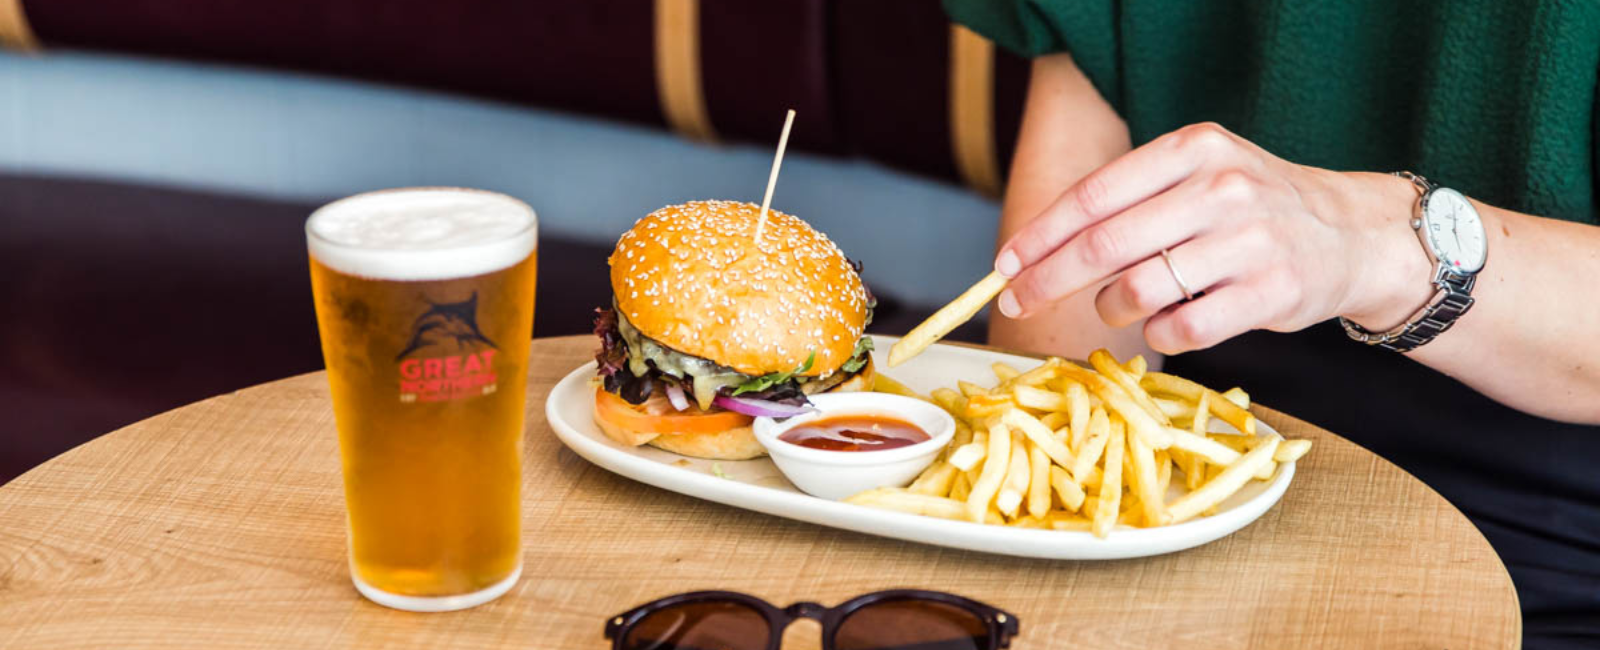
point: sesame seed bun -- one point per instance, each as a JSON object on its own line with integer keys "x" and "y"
{"x": 693, "y": 278}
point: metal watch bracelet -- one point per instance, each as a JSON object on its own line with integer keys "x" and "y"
{"x": 1433, "y": 319}
{"x": 1453, "y": 298}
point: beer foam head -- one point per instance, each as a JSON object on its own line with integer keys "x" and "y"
{"x": 422, "y": 233}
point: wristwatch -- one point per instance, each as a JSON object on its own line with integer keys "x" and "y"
{"x": 1452, "y": 235}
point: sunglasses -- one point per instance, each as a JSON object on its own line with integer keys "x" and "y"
{"x": 900, "y": 619}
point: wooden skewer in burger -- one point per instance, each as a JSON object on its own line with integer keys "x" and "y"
{"x": 723, "y": 312}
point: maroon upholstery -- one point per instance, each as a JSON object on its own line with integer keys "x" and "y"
{"x": 893, "y": 85}
{"x": 123, "y": 301}
{"x": 868, "y": 77}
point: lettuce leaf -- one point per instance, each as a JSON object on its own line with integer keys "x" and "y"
{"x": 768, "y": 380}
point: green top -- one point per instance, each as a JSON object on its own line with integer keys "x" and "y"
{"x": 1495, "y": 98}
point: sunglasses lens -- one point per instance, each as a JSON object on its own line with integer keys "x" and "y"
{"x": 705, "y": 625}
{"x": 912, "y": 624}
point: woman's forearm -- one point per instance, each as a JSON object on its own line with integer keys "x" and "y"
{"x": 1068, "y": 130}
{"x": 1532, "y": 337}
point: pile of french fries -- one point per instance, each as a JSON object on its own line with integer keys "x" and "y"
{"x": 1071, "y": 448}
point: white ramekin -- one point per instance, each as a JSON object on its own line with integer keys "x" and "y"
{"x": 839, "y": 474}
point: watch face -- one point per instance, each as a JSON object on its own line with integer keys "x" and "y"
{"x": 1453, "y": 230}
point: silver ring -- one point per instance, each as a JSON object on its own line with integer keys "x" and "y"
{"x": 1177, "y": 277}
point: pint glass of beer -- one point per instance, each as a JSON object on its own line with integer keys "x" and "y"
{"x": 424, "y": 300}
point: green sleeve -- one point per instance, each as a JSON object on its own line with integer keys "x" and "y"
{"x": 1085, "y": 28}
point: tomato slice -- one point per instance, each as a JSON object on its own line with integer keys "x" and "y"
{"x": 656, "y": 415}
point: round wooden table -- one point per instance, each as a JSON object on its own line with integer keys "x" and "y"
{"x": 221, "y": 525}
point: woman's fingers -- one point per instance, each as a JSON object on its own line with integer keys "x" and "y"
{"x": 1223, "y": 313}
{"x": 1204, "y": 262}
{"x": 1127, "y": 181}
{"x": 1106, "y": 248}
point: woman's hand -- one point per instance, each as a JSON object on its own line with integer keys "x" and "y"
{"x": 1270, "y": 244}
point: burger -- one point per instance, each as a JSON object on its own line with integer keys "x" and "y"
{"x": 711, "y": 327}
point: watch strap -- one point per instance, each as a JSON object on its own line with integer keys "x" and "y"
{"x": 1453, "y": 298}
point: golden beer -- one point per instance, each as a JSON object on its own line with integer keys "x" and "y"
{"x": 424, "y": 301}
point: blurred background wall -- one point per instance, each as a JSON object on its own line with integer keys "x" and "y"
{"x": 158, "y": 159}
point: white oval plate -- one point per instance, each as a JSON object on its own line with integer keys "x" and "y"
{"x": 757, "y": 485}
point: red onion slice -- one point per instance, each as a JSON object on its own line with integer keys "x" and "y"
{"x": 760, "y": 408}
{"x": 675, "y": 395}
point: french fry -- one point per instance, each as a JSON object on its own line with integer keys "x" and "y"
{"x": 1093, "y": 448}
{"x": 1193, "y": 470}
{"x": 1108, "y": 366}
{"x": 1265, "y": 471}
{"x": 1028, "y": 521}
{"x": 1056, "y": 420}
{"x": 1202, "y": 414}
{"x": 1212, "y": 451}
{"x": 1115, "y": 398}
{"x": 1040, "y": 374}
{"x": 1040, "y": 435}
{"x": 882, "y": 383}
{"x": 1068, "y": 521}
{"x": 1291, "y": 450}
{"x": 1039, "y": 398}
{"x": 994, "y": 472}
{"x": 1160, "y": 382}
{"x": 936, "y": 480}
{"x": 951, "y": 401}
{"x": 1175, "y": 408}
{"x": 963, "y": 434}
{"x": 1147, "y": 485}
{"x": 1066, "y": 489}
{"x": 968, "y": 456}
{"x": 1038, "y": 481}
{"x": 969, "y": 389}
{"x": 961, "y": 488}
{"x": 1106, "y": 506}
{"x": 901, "y": 500}
{"x": 1163, "y": 472}
{"x": 1092, "y": 482}
{"x": 1078, "y": 405}
{"x": 986, "y": 405}
{"x": 959, "y": 311}
{"x": 1004, "y": 372}
{"x": 1016, "y": 483}
{"x": 1237, "y": 395}
{"x": 1221, "y": 487}
{"x": 1136, "y": 366}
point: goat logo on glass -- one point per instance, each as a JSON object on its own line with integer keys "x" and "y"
{"x": 454, "y": 359}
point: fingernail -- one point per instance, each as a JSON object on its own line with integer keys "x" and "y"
{"x": 1007, "y": 264}
{"x": 1008, "y": 304}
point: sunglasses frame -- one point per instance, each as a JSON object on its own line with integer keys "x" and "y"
{"x": 1002, "y": 625}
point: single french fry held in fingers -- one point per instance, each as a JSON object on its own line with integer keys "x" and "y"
{"x": 949, "y": 317}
